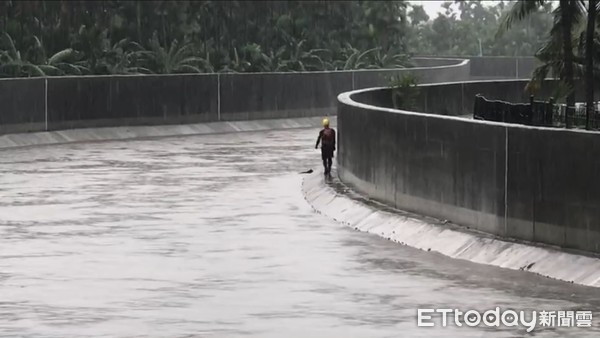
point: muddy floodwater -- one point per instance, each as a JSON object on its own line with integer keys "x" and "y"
{"x": 210, "y": 236}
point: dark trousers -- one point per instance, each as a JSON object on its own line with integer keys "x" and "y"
{"x": 327, "y": 155}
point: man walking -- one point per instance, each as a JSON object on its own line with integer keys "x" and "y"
{"x": 327, "y": 139}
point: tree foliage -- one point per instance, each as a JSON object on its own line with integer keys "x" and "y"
{"x": 470, "y": 28}
{"x": 570, "y": 50}
{"x": 122, "y": 37}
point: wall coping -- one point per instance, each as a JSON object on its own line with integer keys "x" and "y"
{"x": 346, "y": 98}
{"x": 460, "y": 62}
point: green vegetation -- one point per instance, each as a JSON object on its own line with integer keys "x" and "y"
{"x": 69, "y": 37}
{"x": 404, "y": 91}
{"x": 563, "y": 35}
{"x": 570, "y": 50}
{"x": 121, "y": 37}
{"x": 469, "y": 28}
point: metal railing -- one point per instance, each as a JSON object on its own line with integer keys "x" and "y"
{"x": 535, "y": 113}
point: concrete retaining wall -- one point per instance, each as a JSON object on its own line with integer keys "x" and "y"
{"x": 459, "y": 71}
{"x": 142, "y": 132}
{"x": 502, "y": 67}
{"x": 457, "y": 98}
{"x": 337, "y": 201}
{"x": 22, "y": 105}
{"x": 529, "y": 183}
{"x": 99, "y": 101}
{"x": 58, "y": 103}
{"x": 492, "y": 67}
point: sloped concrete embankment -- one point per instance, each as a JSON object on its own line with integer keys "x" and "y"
{"x": 335, "y": 200}
{"x": 140, "y": 132}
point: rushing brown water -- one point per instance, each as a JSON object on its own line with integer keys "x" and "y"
{"x": 210, "y": 236}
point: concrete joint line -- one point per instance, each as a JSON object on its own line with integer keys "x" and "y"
{"x": 219, "y": 97}
{"x": 506, "y": 182}
{"x": 46, "y": 103}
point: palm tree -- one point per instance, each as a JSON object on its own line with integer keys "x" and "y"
{"x": 123, "y": 57}
{"x": 567, "y": 9}
{"x": 273, "y": 61}
{"x": 389, "y": 60}
{"x": 60, "y": 63}
{"x": 11, "y": 62}
{"x": 176, "y": 59}
{"x": 311, "y": 33}
{"x": 557, "y": 55}
{"x": 589, "y": 60}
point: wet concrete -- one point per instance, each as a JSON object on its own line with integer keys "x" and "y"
{"x": 334, "y": 199}
{"x": 210, "y": 236}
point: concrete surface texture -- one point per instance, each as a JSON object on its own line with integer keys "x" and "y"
{"x": 535, "y": 184}
{"x": 211, "y": 236}
{"x": 491, "y": 67}
{"x": 334, "y": 199}
{"x": 57, "y": 103}
{"x": 458, "y": 98}
{"x": 139, "y": 132}
{"x": 502, "y": 67}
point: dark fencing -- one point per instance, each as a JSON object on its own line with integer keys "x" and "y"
{"x": 523, "y": 182}
{"x": 534, "y": 113}
{"x": 38, "y": 104}
{"x": 457, "y": 98}
{"x": 578, "y": 117}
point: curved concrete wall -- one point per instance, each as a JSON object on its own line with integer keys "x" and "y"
{"x": 502, "y": 67}
{"x": 496, "y": 67}
{"x": 54, "y": 103}
{"x": 530, "y": 183}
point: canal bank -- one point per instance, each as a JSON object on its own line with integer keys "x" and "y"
{"x": 145, "y": 132}
{"x": 210, "y": 235}
{"x": 337, "y": 201}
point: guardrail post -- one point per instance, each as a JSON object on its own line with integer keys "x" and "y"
{"x": 549, "y": 118}
{"x": 531, "y": 110}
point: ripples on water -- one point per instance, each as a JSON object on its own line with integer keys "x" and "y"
{"x": 210, "y": 236}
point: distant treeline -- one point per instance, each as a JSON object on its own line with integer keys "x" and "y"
{"x": 119, "y": 37}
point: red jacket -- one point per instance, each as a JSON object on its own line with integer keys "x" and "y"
{"x": 327, "y": 136}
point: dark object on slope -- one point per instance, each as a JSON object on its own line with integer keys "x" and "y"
{"x": 309, "y": 171}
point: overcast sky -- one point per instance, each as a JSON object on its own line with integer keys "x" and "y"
{"x": 432, "y": 7}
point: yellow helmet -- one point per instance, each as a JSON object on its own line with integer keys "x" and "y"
{"x": 325, "y": 122}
